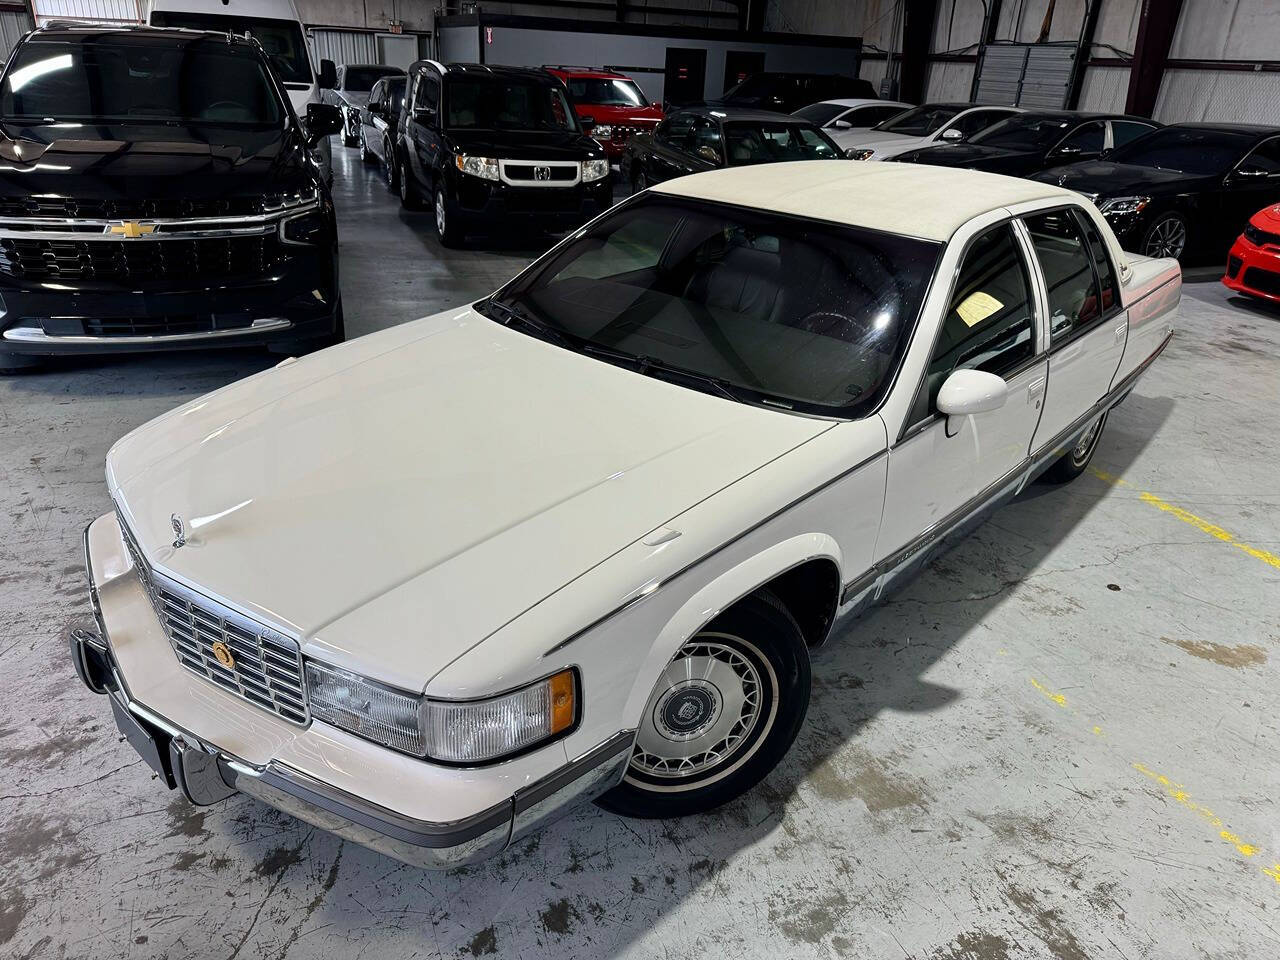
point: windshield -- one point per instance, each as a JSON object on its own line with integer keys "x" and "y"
{"x": 498, "y": 103}
{"x": 820, "y": 114}
{"x": 606, "y": 93}
{"x": 281, "y": 40}
{"x": 1024, "y": 132}
{"x": 774, "y": 142}
{"x": 919, "y": 122}
{"x": 362, "y": 79}
{"x": 395, "y": 92}
{"x": 1187, "y": 150}
{"x": 811, "y": 315}
{"x": 121, "y": 78}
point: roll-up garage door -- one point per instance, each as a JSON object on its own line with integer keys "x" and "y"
{"x": 1036, "y": 75}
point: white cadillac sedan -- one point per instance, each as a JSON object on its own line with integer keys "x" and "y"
{"x": 928, "y": 125}
{"x": 429, "y": 588}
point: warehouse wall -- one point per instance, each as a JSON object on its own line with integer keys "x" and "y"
{"x": 1224, "y": 30}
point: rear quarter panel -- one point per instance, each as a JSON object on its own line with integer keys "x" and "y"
{"x": 1151, "y": 294}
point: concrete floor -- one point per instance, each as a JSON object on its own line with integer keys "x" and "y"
{"x": 1060, "y": 742}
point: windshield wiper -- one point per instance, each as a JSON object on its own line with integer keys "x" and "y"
{"x": 513, "y": 314}
{"x": 653, "y": 367}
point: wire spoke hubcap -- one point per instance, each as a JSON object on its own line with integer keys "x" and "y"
{"x": 704, "y": 710}
{"x": 1085, "y": 443}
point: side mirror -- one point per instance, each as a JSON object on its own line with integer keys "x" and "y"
{"x": 842, "y": 125}
{"x": 968, "y": 392}
{"x": 425, "y": 116}
{"x": 952, "y": 134}
{"x": 328, "y": 78}
{"x": 1247, "y": 174}
{"x": 322, "y": 120}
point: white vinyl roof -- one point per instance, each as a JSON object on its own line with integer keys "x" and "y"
{"x": 905, "y": 198}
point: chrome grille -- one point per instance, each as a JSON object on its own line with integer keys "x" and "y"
{"x": 267, "y": 670}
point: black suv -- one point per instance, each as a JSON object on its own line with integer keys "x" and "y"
{"x": 492, "y": 146}
{"x": 157, "y": 193}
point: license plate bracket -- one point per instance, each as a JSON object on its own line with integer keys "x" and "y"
{"x": 144, "y": 740}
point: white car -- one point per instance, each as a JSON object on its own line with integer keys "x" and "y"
{"x": 922, "y": 126}
{"x": 850, "y": 114}
{"x": 429, "y": 588}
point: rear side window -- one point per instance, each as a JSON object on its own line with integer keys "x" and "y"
{"x": 1086, "y": 139}
{"x": 1102, "y": 263}
{"x": 989, "y": 324}
{"x": 1074, "y": 301}
{"x": 1123, "y": 131}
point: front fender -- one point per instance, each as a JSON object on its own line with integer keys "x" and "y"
{"x": 722, "y": 592}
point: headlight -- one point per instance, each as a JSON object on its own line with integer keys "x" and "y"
{"x": 302, "y": 228}
{"x": 454, "y": 731}
{"x": 1258, "y": 238}
{"x": 602, "y": 130}
{"x": 594, "y": 170}
{"x": 855, "y": 154}
{"x": 485, "y": 168}
{"x": 1123, "y": 206}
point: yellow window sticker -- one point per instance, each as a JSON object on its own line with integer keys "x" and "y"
{"x": 977, "y": 307}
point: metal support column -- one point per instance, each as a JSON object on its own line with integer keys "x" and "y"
{"x": 1156, "y": 25}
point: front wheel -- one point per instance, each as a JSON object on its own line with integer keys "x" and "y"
{"x": 1076, "y": 460}
{"x": 722, "y": 715}
{"x": 1166, "y": 237}
{"x": 390, "y": 167}
{"x": 366, "y": 155}
{"x": 407, "y": 187}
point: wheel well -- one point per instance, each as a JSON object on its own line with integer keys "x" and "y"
{"x": 810, "y": 592}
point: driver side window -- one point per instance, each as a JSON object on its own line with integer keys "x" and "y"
{"x": 989, "y": 324}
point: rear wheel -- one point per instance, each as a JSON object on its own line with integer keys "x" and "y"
{"x": 447, "y": 228}
{"x": 1076, "y": 460}
{"x": 390, "y": 167}
{"x": 722, "y": 715}
{"x": 407, "y": 186}
{"x": 349, "y": 138}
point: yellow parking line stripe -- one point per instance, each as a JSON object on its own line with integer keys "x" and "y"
{"x": 1200, "y": 523}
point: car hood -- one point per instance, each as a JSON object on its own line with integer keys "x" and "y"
{"x": 1268, "y": 218}
{"x": 140, "y": 160}
{"x": 393, "y": 501}
{"x": 1107, "y": 179}
{"x": 874, "y": 139}
{"x": 526, "y": 144}
{"x": 975, "y": 157}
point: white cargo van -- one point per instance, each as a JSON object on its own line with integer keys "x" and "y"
{"x": 277, "y": 26}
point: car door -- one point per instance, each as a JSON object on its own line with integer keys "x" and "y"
{"x": 671, "y": 155}
{"x": 944, "y": 474}
{"x": 1254, "y": 183}
{"x": 1085, "y": 142}
{"x": 1087, "y": 324}
{"x": 369, "y": 132}
{"x": 422, "y": 129}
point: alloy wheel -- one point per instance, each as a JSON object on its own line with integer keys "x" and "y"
{"x": 1168, "y": 239}
{"x": 441, "y": 224}
{"x": 710, "y": 710}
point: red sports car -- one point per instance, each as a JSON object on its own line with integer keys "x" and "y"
{"x": 1253, "y": 265}
{"x": 614, "y": 101}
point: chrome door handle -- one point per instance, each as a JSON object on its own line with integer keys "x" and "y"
{"x": 1035, "y": 391}
{"x": 1121, "y": 331}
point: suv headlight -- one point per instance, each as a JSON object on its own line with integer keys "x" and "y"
{"x": 302, "y": 228}
{"x": 594, "y": 170}
{"x": 602, "y": 130}
{"x": 855, "y": 154}
{"x": 452, "y": 731}
{"x": 486, "y": 168}
{"x": 1123, "y": 206}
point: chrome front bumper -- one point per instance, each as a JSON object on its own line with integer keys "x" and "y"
{"x": 206, "y": 774}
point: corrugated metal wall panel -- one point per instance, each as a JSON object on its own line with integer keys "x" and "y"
{"x": 874, "y": 71}
{"x": 948, "y": 82}
{"x": 1002, "y": 67}
{"x": 344, "y": 46}
{"x": 127, "y": 11}
{"x": 1048, "y": 76}
{"x": 1105, "y": 89}
{"x": 13, "y": 24}
{"x": 1224, "y": 96}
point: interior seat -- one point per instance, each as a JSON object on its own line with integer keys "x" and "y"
{"x": 743, "y": 281}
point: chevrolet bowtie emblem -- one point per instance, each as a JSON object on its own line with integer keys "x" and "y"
{"x": 131, "y": 229}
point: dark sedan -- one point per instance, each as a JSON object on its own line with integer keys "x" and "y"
{"x": 1030, "y": 142}
{"x": 1184, "y": 191}
{"x": 702, "y": 138}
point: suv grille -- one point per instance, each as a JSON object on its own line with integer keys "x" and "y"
{"x": 135, "y": 260}
{"x": 267, "y": 669}
{"x": 124, "y": 208}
